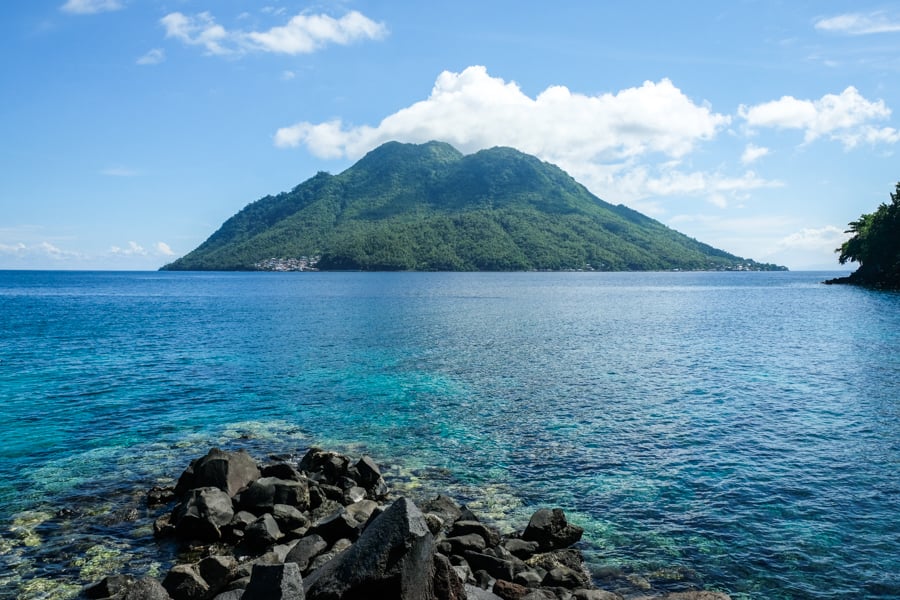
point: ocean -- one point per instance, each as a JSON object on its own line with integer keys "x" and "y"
{"x": 740, "y": 428}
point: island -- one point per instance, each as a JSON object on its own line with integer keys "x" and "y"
{"x": 428, "y": 207}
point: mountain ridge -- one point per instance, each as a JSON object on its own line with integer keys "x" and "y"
{"x": 429, "y": 207}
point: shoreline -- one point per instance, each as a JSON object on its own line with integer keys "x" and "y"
{"x": 330, "y": 501}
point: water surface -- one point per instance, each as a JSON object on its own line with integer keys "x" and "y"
{"x": 740, "y": 425}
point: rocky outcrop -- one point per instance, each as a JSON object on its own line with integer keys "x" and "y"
{"x": 325, "y": 528}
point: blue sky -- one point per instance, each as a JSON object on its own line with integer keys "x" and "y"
{"x": 133, "y": 128}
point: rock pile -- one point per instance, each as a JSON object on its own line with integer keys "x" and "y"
{"x": 325, "y": 529}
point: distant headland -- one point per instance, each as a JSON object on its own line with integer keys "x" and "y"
{"x": 428, "y": 207}
{"x": 875, "y": 245}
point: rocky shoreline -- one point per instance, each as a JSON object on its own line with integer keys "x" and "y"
{"x": 327, "y": 527}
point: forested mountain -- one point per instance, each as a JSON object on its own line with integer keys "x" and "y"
{"x": 429, "y": 208}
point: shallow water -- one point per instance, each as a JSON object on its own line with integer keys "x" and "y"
{"x": 740, "y": 425}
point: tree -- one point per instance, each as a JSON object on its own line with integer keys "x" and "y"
{"x": 875, "y": 245}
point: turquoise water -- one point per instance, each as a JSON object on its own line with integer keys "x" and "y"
{"x": 743, "y": 426}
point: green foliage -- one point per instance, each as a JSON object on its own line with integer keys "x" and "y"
{"x": 429, "y": 208}
{"x": 875, "y": 245}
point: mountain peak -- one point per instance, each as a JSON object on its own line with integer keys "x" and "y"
{"x": 429, "y": 207}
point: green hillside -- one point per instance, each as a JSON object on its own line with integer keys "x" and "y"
{"x": 429, "y": 208}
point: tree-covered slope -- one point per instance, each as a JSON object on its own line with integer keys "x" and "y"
{"x": 875, "y": 245}
{"x": 428, "y": 207}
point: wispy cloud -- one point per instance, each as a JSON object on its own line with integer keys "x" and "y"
{"x": 164, "y": 249}
{"x": 822, "y": 239}
{"x": 846, "y": 117}
{"x": 90, "y": 7}
{"x": 120, "y": 172}
{"x": 859, "y": 23}
{"x": 46, "y": 250}
{"x": 133, "y": 249}
{"x": 302, "y": 34}
{"x": 152, "y": 57}
{"x": 752, "y": 153}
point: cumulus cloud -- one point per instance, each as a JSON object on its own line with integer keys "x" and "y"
{"x": 133, "y": 249}
{"x": 859, "y": 24}
{"x": 164, "y": 249}
{"x": 90, "y": 7}
{"x": 303, "y": 33}
{"x": 153, "y": 57}
{"x": 473, "y": 110}
{"x": 752, "y": 153}
{"x": 846, "y": 117}
{"x": 603, "y": 140}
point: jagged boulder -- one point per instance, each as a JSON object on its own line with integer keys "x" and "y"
{"x": 306, "y": 549}
{"x": 444, "y": 507}
{"x": 263, "y": 494}
{"x": 146, "y": 588}
{"x": 447, "y": 584}
{"x": 550, "y": 529}
{"x": 202, "y": 514}
{"x": 393, "y": 558}
{"x": 261, "y": 533}
{"x": 229, "y": 471}
{"x": 216, "y": 571}
{"x": 331, "y": 465}
{"x": 183, "y": 582}
{"x": 275, "y": 582}
{"x": 282, "y": 470}
{"x": 490, "y": 535}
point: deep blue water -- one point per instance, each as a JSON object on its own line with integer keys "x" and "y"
{"x": 745, "y": 426}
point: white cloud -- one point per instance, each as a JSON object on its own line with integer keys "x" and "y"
{"x": 641, "y": 182}
{"x": 90, "y": 7}
{"x": 303, "y": 34}
{"x": 13, "y": 249}
{"x": 859, "y": 24}
{"x": 164, "y": 249}
{"x": 752, "y": 153}
{"x": 38, "y": 250}
{"x": 133, "y": 249}
{"x": 153, "y": 57}
{"x": 199, "y": 30}
{"x": 473, "y": 110}
{"x": 120, "y": 172}
{"x": 824, "y": 239}
{"x": 287, "y": 75}
{"x": 846, "y": 117}
{"x": 602, "y": 140}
